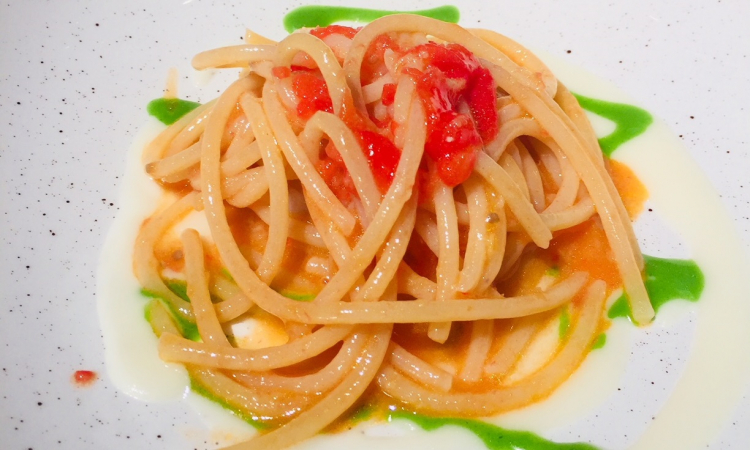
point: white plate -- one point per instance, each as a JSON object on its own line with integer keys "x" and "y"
{"x": 75, "y": 81}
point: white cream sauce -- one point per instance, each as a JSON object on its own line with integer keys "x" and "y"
{"x": 712, "y": 381}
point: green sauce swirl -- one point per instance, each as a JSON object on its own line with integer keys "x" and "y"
{"x": 666, "y": 280}
{"x": 169, "y": 110}
{"x": 494, "y": 437}
{"x": 630, "y": 121}
{"x": 322, "y": 16}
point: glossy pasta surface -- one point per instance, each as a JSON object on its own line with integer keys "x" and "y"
{"x": 399, "y": 212}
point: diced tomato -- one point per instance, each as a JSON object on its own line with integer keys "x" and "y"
{"x": 383, "y": 124}
{"x": 296, "y": 68}
{"x": 281, "y": 72}
{"x": 83, "y": 378}
{"x": 322, "y": 32}
{"x": 379, "y": 150}
{"x": 382, "y": 155}
{"x": 352, "y": 116}
{"x": 454, "y": 60}
{"x": 312, "y": 94}
{"x": 452, "y": 138}
{"x": 452, "y": 144}
{"x": 452, "y": 77}
{"x": 437, "y": 96}
{"x": 481, "y": 99}
{"x": 389, "y": 94}
{"x": 332, "y": 152}
{"x": 337, "y": 178}
{"x": 373, "y": 65}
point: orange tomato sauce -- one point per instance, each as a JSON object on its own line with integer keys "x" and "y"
{"x": 580, "y": 248}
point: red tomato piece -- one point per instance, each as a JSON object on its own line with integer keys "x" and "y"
{"x": 332, "y": 152}
{"x": 84, "y": 378}
{"x": 373, "y": 65}
{"x": 452, "y": 144}
{"x": 312, "y": 94}
{"x": 482, "y": 103}
{"x": 454, "y": 77}
{"x": 352, "y": 116}
{"x": 382, "y": 155}
{"x": 454, "y": 60}
{"x": 457, "y": 167}
{"x": 430, "y": 94}
{"x": 322, "y": 32}
{"x": 452, "y": 138}
{"x": 389, "y": 94}
{"x": 296, "y": 68}
{"x": 337, "y": 178}
{"x": 281, "y": 72}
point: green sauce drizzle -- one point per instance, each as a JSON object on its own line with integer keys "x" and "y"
{"x": 564, "y": 323}
{"x": 322, "y": 16}
{"x": 169, "y": 110}
{"x": 226, "y": 273}
{"x": 599, "y": 342}
{"x": 494, "y": 437}
{"x": 201, "y": 390}
{"x": 362, "y": 413}
{"x": 630, "y": 121}
{"x": 620, "y": 308}
{"x": 298, "y": 296}
{"x": 666, "y": 280}
{"x": 187, "y": 328}
{"x": 179, "y": 288}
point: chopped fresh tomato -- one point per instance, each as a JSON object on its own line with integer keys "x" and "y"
{"x": 452, "y": 144}
{"x": 456, "y": 91}
{"x": 454, "y": 60}
{"x": 337, "y": 178}
{"x": 83, "y": 378}
{"x": 351, "y": 116}
{"x": 312, "y": 94}
{"x": 389, "y": 94}
{"x": 322, "y": 32}
{"x": 434, "y": 92}
{"x": 296, "y": 68}
{"x": 373, "y": 66}
{"x": 281, "y": 72}
{"x": 481, "y": 98}
{"x": 332, "y": 152}
{"x": 452, "y": 76}
{"x": 383, "y": 124}
{"x": 382, "y": 155}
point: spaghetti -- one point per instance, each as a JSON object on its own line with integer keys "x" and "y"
{"x": 409, "y": 204}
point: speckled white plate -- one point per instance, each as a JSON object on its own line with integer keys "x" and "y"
{"x": 74, "y": 81}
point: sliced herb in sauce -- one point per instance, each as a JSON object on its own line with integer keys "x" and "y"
{"x": 322, "y": 16}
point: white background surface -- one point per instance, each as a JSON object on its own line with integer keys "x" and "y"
{"x": 74, "y": 81}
